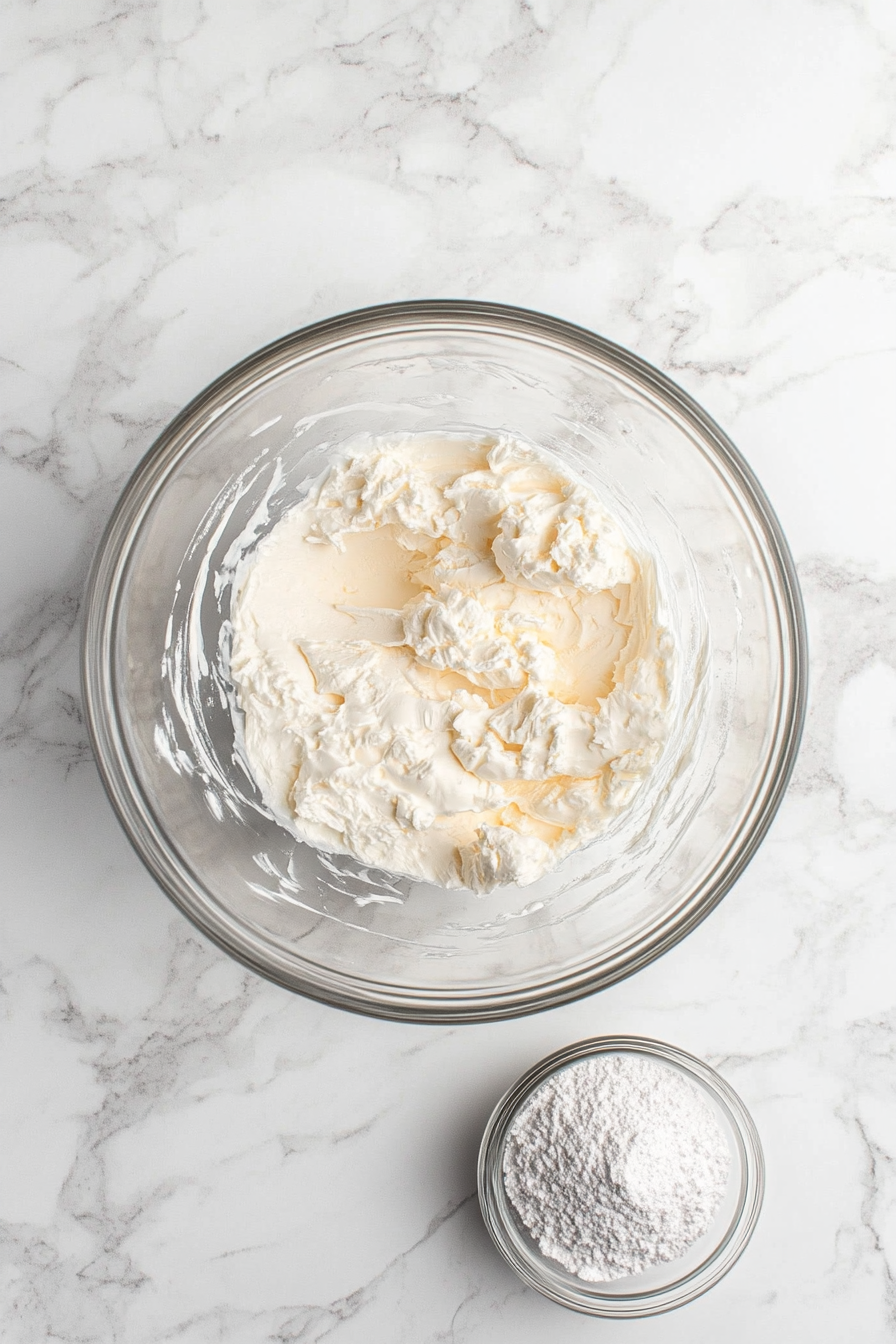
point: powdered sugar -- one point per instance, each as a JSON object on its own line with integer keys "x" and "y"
{"x": 615, "y": 1164}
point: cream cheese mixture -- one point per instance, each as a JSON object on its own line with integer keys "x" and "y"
{"x": 448, "y": 660}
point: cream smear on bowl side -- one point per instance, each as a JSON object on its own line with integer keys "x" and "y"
{"x": 449, "y": 662}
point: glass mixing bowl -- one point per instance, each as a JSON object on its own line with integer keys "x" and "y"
{"x": 165, "y": 730}
{"x": 664, "y": 1286}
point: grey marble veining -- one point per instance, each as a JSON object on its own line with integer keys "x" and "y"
{"x": 186, "y": 1152}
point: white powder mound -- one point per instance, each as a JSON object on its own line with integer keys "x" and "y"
{"x": 615, "y": 1164}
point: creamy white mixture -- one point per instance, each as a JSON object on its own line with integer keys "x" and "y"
{"x": 448, "y": 660}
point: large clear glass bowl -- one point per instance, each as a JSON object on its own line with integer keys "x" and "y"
{"x": 162, "y": 718}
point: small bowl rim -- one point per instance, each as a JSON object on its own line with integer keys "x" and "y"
{"x": 535, "y": 1272}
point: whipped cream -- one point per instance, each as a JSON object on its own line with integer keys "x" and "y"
{"x": 449, "y": 662}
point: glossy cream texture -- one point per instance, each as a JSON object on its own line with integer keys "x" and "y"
{"x": 448, "y": 660}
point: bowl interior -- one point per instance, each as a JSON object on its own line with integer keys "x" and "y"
{"x": 168, "y": 737}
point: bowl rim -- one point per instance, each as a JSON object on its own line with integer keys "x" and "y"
{"x": 535, "y": 1270}
{"x": 134, "y": 809}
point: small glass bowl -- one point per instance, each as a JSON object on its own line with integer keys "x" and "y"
{"x": 664, "y": 1286}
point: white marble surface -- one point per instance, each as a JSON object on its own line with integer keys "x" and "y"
{"x": 191, "y": 1154}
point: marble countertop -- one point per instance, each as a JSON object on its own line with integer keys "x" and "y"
{"x": 187, "y": 1152}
